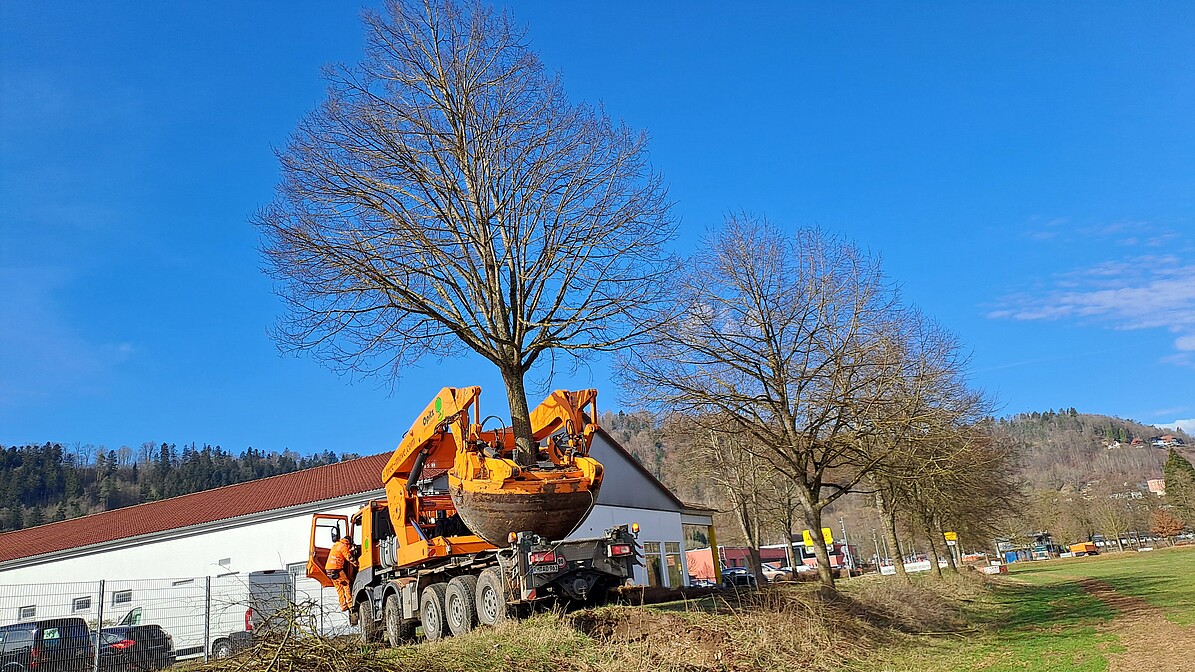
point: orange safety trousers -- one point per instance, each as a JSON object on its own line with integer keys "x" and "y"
{"x": 339, "y": 558}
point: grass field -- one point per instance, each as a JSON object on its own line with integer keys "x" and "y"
{"x": 1164, "y": 578}
{"x": 1120, "y": 611}
{"x": 1070, "y": 614}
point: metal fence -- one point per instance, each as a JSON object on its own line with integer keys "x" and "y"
{"x": 205, "y": 616}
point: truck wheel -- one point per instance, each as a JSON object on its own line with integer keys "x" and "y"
{"x": 222, "y": 648}
{"x": 370, "y": 632}
{"x": 431, "y": 612}
{"x": 460, "y": 605}
{"x": 490, "y": 596}
{"x": 399, "y": 631}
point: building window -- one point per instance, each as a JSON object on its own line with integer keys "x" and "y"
{"x": 122, "y": 597}
{"x": 27, "y": 613}
{"x": 676, "y": 577}
{"x": 225, "y": 562}
{"x": 651, "y": 558}
{"x": 81, "y": 604}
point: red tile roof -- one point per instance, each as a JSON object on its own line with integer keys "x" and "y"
{"x": 268, "y": 494}
{"x": 277, "y": 492}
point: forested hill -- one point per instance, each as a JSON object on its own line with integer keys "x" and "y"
{"x": 51, "y": 482}
{"x": 1067, "y": 448}
{"x": 1056, "y": 449}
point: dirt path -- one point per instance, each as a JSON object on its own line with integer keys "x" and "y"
{"x": 1151, "y": 642}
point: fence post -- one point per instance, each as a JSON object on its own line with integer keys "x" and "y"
{"x": 99, "y": 629}
{"x": 207, "y": 618}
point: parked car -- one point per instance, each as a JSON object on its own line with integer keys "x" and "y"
{"x": 135, "y": 648}
{"x": 772, "y": 573}
{"x": 51, "y": 645}
{"x": 737, "y": 577}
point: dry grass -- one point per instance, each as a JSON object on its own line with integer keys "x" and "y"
{"x": 774, "y": 628}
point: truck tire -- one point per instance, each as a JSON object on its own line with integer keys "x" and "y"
{"x": 370, "y": 632}
{"x": 490, "y": 597}
{"x": 222, "y": 648}
{"x": 431, "y": 612}
{"x": 399, "y": 631}
{"x": 460, "y": 607}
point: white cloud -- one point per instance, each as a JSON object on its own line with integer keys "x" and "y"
{"x": 1187, "y": 426}
{"x": 1149, "y": 292}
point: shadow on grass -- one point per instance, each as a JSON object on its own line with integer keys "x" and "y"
{"x": 1051, "y": 606}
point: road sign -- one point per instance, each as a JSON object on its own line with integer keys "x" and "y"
{"x": 950, "y": 536}
{"x": 827, "y": 535}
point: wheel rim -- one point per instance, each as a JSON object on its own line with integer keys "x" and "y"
{"x": 433, "y": 619}
{"x": 456, "y": 615}
{"x": 489, "y": 602}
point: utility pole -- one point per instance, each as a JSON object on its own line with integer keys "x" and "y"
{"x": 846, "y": 546}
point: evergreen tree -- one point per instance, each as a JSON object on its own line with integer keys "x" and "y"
{"x": 1180, "y": 485}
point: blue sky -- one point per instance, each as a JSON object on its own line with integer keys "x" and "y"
{"x": 1026, "y": 172}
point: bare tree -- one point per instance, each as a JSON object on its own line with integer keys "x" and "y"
{"x": 797, "y": 344}
{"x": 447, "y": 197}
{"x": 959, "y": 479}
{"x": 743, "y": 480}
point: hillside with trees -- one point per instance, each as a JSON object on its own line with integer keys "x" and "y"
{"x": 1063, "y": 458}
{"x": 51, "y": 482}
{"x": 1078, "y": 474}
{"x": 1065, "y": 448}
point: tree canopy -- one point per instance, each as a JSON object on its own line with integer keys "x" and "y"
{"x": 447, "y": 197}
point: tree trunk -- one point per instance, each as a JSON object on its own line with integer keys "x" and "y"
{"x": 750, "y": 533}
{"x": 520, "y": 416}
{"x": 889, "y": 521}
{"x": 933, "y": 551}
{"x": 813, "y": 518}
{"x": 950, "y": 561}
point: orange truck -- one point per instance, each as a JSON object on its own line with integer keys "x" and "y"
{"x": 468, "y": 533}
{"x": 1085, "y": 548}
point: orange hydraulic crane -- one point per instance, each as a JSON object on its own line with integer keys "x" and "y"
{"x": 492, "y": 494}
{"x": 466, "y": 533}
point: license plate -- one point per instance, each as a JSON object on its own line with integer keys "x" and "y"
{"x": 545, "y": 569}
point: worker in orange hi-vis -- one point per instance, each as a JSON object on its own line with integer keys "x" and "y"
{"x": 341, "y": 567}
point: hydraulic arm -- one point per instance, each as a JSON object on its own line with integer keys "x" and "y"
{"x": 492, "y": 494}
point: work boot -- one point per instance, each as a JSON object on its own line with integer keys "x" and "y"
{"x": 352, "y": 616}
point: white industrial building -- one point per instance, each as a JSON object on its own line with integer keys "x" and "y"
{"x": 265, "y": 524}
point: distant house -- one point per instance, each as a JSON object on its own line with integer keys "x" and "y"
{"x": 1156, "y": 486}
{"x": 1138, "y": 442}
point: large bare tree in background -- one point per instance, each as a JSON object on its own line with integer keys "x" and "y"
{"x": 797, "y": 345}
{"x": 448, "y": 198}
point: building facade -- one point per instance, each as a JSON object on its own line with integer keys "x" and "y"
{"x": 265, "y": 524}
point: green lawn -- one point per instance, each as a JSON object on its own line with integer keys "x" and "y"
{"x": 1040, "y": 618}
{"x": 1164, "y": 578}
